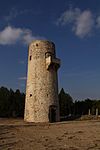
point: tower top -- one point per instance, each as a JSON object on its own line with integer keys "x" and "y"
{"x": 42, "y": 43}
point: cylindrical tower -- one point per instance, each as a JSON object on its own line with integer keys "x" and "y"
{"x": 41, "y": 104}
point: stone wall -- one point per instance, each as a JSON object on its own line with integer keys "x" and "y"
{"x": 42, "y": 84}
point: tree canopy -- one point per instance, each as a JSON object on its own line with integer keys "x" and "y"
{"x": 65, "y": 102}
{"x": 70, "y": 107}
{"x": 11, "y": 103}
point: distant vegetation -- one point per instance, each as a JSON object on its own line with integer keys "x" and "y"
{"x": 12, "y": 104}
{"x": 70, "y": 107}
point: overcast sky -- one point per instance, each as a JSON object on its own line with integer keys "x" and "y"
{"x": 74, "y": 27}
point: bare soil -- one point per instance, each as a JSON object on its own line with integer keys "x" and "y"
{"x": 15, "y": 134}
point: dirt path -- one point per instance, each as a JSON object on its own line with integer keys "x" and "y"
{"x": 75, "y": 135}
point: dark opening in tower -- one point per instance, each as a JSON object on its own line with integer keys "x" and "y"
{"x": 52, "y": 113}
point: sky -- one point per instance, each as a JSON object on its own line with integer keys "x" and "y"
{"x": 74, "y": 27}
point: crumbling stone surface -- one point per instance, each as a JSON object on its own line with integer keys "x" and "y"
{"x": 41, "y": 102}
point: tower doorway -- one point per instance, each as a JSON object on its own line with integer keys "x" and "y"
{"x": 52, "y": 113}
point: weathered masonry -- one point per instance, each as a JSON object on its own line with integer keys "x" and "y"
{"x": 41, "y": 104}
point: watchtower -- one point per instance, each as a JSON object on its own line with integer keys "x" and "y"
{"x": 41, "y": 103}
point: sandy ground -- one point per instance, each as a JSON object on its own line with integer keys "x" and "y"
{"x": 74, "y": 135}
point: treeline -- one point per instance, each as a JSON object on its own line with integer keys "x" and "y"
{"x": 70, "y": 107}
{"x": 12, "y": 104}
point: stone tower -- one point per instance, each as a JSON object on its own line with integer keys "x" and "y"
{"x": 41, "y": 104}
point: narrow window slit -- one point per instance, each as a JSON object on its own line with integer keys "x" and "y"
{"x": 30, "y": 57}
